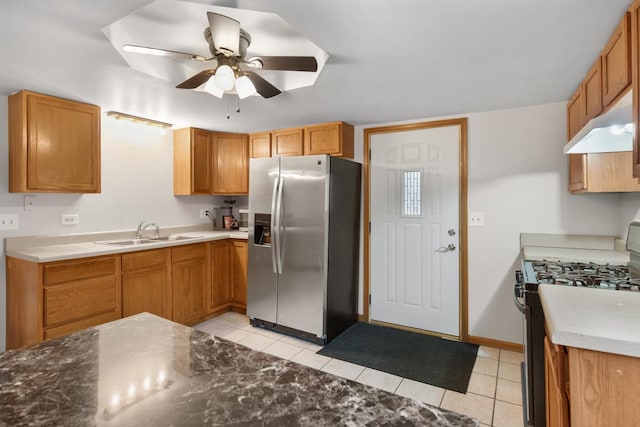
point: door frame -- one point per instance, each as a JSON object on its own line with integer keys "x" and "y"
{"x": 462, "y": 207}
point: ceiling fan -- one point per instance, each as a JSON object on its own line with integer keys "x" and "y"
{"x": 228, "y": 44}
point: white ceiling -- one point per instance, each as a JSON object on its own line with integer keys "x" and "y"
{"x": 388, "y": 59}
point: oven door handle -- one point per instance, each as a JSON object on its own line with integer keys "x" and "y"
{"x": 518, "y": 292}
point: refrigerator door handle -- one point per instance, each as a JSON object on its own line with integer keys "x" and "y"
{"x": 279, "y": 226}
{"x": 273, "y": 224}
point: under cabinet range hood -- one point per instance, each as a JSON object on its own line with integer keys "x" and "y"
{"x": 607, "y": 133}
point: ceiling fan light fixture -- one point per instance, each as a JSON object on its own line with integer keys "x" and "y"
{"x": 245, "y": 87}
{"x": 212, "y": 88}
{"x": 225, "y": 78}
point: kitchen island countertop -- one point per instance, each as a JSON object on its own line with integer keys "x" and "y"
{"x": 145, "y": 370}
{"x": 592, "y": 319}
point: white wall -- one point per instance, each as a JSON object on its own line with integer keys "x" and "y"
{"x": 517, "y": 177}
{"x": 137, "y": 185}
{"x": 630, "y": 211}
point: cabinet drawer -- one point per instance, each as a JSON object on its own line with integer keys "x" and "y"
{"x": 77, "y": 270}
{"x": 59, "y": 331}
{"x": 145, "y": 259}
{"x": 184, "y": 253}
{"x": 78, "y": 300}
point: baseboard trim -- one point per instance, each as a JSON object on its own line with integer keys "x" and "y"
{"x": 490, "y": 342}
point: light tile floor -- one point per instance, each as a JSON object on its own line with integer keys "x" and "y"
{"x": 493, "y": 397}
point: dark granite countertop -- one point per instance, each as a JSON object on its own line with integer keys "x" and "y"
{"x": 147, "y": 371}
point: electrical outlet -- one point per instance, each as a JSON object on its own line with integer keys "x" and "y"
{"x": 203, "y": 213}
{"x": 9, "y": 222}
{"x": 69, "y": 219}
{"x": 476, "y": 219}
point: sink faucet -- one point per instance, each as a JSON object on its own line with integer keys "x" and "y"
{"x": 142, "y": 227}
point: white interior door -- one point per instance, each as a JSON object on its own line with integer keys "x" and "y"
{"x": 414, "y": 213}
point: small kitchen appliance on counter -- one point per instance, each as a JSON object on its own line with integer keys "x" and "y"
{"x": 223, "y": 215}
{"x": 616, "y": 277}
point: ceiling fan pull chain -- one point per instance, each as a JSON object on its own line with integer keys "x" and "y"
{"x": 228, "y": 116}
{"x": 238, "y": 107}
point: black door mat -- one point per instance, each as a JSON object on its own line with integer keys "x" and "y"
{"x": 424, "y": 358}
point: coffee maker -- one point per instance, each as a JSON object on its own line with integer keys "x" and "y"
{"x": 223, "y": 216}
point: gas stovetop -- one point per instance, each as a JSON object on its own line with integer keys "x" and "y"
{"x": 587, "y": 275}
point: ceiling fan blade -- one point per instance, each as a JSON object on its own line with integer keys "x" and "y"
{"x": 163, "y": 52}
{"x": 225, "y": 33}
{"x": 286, "y": 63}
{"x": 196, "y": 80}
{"x": 263, "y": 87}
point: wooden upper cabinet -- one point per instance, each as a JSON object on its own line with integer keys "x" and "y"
{"x": 54, "y": 145}
{"x": 260, "y": 145}
{"x": 287, "y": 142}
{"x": 616, "y": 62}
{"x": 578, "y": 178}
{"x": 592, "y": 92}
{"x": 635, "y": 82}
{"x": 330, "y": 138}
{"x": 230, "y": 163}
{"x": 192, "y": 154}
{"x": 575, "y": 115}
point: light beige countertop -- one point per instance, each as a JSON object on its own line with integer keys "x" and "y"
{"x": 72, "y": 246}
{"x": 592, "y": 319}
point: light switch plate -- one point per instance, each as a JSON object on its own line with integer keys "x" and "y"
{"x": 28, "y": 202}
{"x": 476, "y": 219}
{"x": 69, "y": 219}
{"x": 9, "y": 222}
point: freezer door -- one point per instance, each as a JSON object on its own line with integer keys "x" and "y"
{"x": 303, "y": 237}
{"x": 261, "y": 276}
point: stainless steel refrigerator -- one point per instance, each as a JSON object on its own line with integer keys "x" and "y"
{"x": 304, "y": 232}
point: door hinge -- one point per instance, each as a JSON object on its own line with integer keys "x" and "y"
{"x": 369, "y": 299}
{"x": 369, "y": 227}
{"x": 369, "y": 154}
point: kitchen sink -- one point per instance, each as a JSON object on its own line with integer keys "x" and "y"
{"x": 146, "y": 241}
{"x": 126, "y": 242}
{"x": 172, "y": 238}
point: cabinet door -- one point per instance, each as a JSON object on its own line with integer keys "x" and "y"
{"x": 260, "y": 145}
{"x": 192, "y": 157}
{"x": 54, "y": 145}
{"x": 231, "y": 164}
{"x": 190, "y": 279}
{"x": 220, "y": 274}
{"x": 287, "y": 142}
{"x": 240, "y": 260}
{"x": 592, "y": 92}
{"x": 555, "y": 385}
{"x": 616, "y": 62}
{"x": 635, "y": 81}
{"x": 575, "y": 114}
{"x": 145, "y": 283}
{"x": 577, "y": 172}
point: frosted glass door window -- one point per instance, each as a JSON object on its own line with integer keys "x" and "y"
{"x": 412, "y": 193}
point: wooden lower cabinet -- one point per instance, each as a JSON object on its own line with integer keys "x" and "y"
{"x": 190, "y": 278}
{"x": 591, "y": 388}
{"x": 228, "y": 276}
{"x": 556, "y": 381}
{"x": 220, "y": 275}
{"x": 239, "y": 276}
{"x": 186, "y": 284}
{"x": 146, "y": 284}
{"x": 48, "y": 300}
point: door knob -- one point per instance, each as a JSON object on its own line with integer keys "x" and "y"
{"x": 450, "y": 247}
